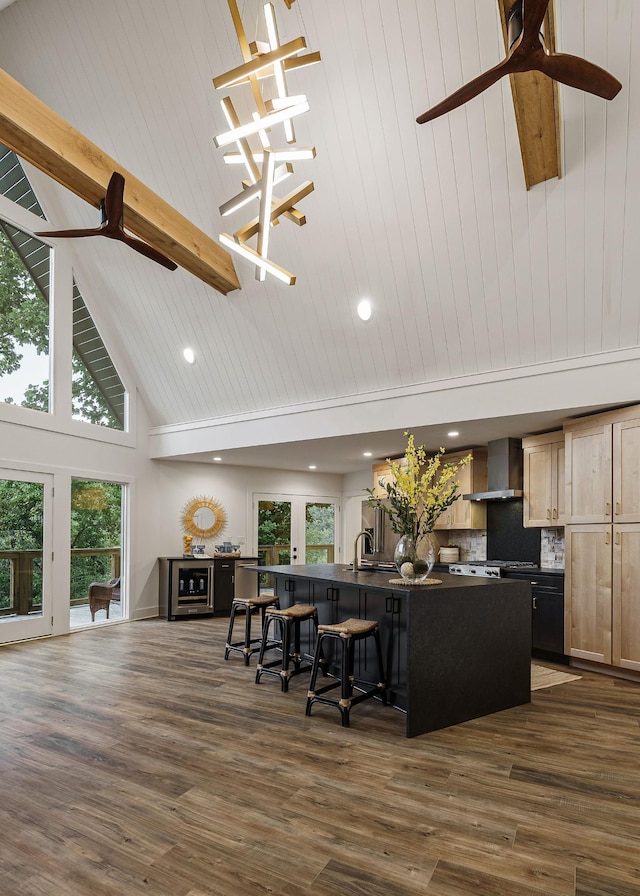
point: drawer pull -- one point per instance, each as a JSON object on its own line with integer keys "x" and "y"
{"x": 535, "y": 604}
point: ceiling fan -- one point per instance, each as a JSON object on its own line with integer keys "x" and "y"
{"x": 528, "y": 53}
{"x": 111, "y": 208}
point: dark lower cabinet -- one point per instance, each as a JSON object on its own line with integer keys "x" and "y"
{"x": 547, "y": 612}
{"x": 229, "y": 579}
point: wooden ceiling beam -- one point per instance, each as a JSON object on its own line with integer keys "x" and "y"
{"x": 38, "y": 135}
{"x": 536, "y": 104}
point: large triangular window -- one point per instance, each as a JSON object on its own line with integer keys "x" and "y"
{"x": 98, "y": 394}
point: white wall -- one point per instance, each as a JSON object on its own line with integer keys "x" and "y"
{"x": 233, "y": 487}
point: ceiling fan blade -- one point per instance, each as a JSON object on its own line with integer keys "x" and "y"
{"x": 146, "y": 250}
{"x": 533, "y": 13}
{"x": 468, "y": 92}
{"x": 580, "y": 73}
{"x": 114, "y": 199}
{"x": 94, "y": 231}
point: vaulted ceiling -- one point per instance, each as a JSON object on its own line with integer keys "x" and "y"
{"x": 495, "y": 307}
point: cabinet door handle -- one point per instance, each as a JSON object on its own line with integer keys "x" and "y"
{"x": 555, "y": 514}
{"x": 607, "y": 508}
{"x": 535, "y": 603}
{"x": 607, "y": 538}
{"x": 548, "y": 514}
{"x": 617, "y": 538}
{"x": 617, "y": 508}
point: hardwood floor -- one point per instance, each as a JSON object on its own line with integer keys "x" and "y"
{"x": 134, "y": 760}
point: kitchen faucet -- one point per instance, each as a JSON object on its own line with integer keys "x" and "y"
{"x": 356, "y": 561}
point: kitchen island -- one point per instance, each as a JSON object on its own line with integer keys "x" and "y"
{"x": 452, "y": 652}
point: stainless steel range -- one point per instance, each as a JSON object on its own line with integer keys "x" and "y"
{"x": 488, "y": 568}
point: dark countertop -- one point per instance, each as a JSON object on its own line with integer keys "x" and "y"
{"x": 365, "y": 578}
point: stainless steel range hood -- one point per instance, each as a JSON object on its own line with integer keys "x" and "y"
{"x": 504, "y": 472}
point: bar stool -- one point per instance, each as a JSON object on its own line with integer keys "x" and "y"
{"x": 286, "y": 623}
{"x": 346, "y": 634}
{"x": 249, "y": 606}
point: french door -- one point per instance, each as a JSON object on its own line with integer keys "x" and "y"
{"x": 26, "y": 506}
{"x": 295, "y": 529}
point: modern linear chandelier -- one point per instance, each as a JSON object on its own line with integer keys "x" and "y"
{"x": 264, "y": 71}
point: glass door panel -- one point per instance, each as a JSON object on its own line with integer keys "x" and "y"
{"x": 25, "y": 555}
{"x": 320, "y": 532}
{"x": 96, "y": 552}
{"x": 294, "y": 530}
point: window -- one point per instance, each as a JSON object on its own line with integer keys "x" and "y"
{"x": 98, "y": 394}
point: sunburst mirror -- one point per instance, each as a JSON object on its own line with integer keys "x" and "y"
{"x": 203, "y": 517}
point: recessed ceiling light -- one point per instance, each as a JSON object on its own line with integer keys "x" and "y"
{"x": 217, "y": 459}
{"x": 453, "y": 433}
{"x": 367, "y": 453}
{"x": 189, "y": 355}
{"x": 312, "y": 466}
{"x": 364, "y": 309}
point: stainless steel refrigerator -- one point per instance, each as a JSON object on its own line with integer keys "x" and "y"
{"x": 380, "y": 547}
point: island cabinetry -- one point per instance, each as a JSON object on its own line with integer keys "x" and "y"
{"x": 544, "y": 480}
{"x": 472, "y": 478}
{"x": 453, "y": 651}
{"x": 390, "y": 612}
{"x": 602, "y": 540}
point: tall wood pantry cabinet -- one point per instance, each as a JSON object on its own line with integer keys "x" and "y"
{"x": 602, "y": 538}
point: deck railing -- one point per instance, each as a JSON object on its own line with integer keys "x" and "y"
{"x": 21, "y": 577}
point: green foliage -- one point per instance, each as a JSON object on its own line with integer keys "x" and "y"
{"x": 419, "y": 490}
{"x": 24, "y": 316}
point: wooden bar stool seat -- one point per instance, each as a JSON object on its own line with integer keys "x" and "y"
{"x": 285, "y": 624}
{"x": 346, "y": 635}
{"x": 249, "y": 606}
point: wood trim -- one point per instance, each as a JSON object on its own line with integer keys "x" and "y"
{"x": 537, "y": 109}
{"x": 543, "y": 438}
{"x": 40, "y": 136}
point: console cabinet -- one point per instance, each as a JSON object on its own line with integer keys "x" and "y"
{"x": 194, "y": 586}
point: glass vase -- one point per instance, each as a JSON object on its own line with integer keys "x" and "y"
{"x": 414, "y": 558}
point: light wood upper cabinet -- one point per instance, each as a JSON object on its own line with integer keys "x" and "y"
{"x": 626, "y": 471}
{"x": 382, "y": 474}
{"x": 588, "y": 612}
{"x": 472, "y": 478}
{"x": 544, "y": 480}
{"x": 589, "y": 473}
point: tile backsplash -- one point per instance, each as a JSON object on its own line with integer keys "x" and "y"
{"x": 473, "y": 545}
{"x": 552, "y": 549}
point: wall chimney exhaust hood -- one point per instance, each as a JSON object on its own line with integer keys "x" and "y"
{"x": 504, "y": 472}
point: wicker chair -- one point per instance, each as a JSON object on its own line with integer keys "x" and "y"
{"x": 101, "y": 594}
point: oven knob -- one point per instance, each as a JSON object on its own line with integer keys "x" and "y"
{"x": 472, "y": 570}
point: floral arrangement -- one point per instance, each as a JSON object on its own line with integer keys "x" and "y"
{"x": 419, "y": 490}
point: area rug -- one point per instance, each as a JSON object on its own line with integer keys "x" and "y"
{"x": 541, "y": 677}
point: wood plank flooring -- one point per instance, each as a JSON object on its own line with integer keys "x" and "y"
{"x": 134, "y": 760}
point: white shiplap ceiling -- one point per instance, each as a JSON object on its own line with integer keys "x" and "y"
{"x": 473, "y": 279}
